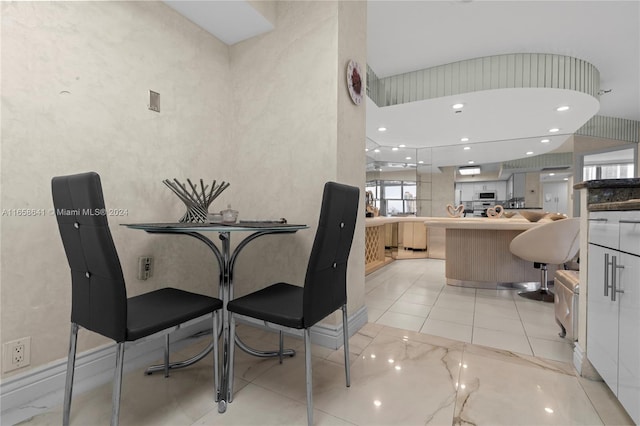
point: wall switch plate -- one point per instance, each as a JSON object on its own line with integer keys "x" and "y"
{"x": 154, "y": 101}
{"x": 145, "y": 267}
{"x": 16, "y": 354}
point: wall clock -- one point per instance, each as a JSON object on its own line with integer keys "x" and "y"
{"x": 354, "y": 82}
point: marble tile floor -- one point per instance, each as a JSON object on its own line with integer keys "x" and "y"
{"x": 412, "y": 295}
{"x": 430, "y": 355}
{"x": 399, "y": 377}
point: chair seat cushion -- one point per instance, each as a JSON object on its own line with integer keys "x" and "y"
{"x": 279, "y": 303}
{"x": 569, "y": 279}
{"x": 164, "y": 308}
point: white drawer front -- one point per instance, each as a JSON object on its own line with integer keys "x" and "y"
{"x": 603, "y": 229}
{"x": 630, "y": 232}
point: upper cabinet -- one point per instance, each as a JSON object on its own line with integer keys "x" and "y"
{"x": 468, "y": 190}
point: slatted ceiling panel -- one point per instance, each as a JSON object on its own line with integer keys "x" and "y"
{"x": 491, "y": 72}
{"x": 539, "y": 162}
{"x": 611, "y": 128}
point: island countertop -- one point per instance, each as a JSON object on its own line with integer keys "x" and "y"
{"x": 482, "y": 223}
{"x": 381, "y": 220}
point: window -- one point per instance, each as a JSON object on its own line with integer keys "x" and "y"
{"x": 394, "y": 197}
{"x": 609, "y": 165}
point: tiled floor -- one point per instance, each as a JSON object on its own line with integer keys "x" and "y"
{"x": 412, "y": 294}
{"x": 398, "y": 376}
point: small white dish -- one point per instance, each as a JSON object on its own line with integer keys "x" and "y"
{"x": 214, "y": 217}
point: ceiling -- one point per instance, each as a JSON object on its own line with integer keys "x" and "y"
{"x": 229, "y": 21}
{"x": 504, "y": 124}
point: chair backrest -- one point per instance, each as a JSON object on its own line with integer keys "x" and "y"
{"x": 552, "y": 243}
{"x": 99, "y": 297}
{"x": 325, "y": 285}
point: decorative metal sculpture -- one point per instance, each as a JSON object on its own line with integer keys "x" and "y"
{"x": 495, "y": 212}
{"x": 196, "y": 199}
{"x": 455, "y": 211}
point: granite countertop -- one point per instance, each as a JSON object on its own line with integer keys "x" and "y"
{"x": 612, "y": 194}
{"x": 620, "y": 205}
{"x": 608, "y": 183}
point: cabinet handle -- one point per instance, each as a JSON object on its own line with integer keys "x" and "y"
{"x": 628, "y": 221}
{"x": 614, "y": 268}
{"x": 598, "y": 219}
{"x": 606, "y": 274}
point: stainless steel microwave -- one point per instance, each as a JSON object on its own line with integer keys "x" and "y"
{"x": 485, "y": 195}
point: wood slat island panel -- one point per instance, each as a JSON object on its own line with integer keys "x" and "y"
{"x": 478, "y": 255}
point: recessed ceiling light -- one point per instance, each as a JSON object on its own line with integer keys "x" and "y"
{"x": 467, "y": 148}
{"x": 394, "y": 149}
{"x": 562, "y": 108}
{"x": 470, "y": 162}
{"x": 366, "y": 150}
{"x": 376, "y": 150}
{"x": 529, "y": 152}
{"x": 407, "y": 158}
{"x": 401, "y": 145}
{"x": 464, "y": 140}
{"x": 420, "y": 162}
{"x": 554, "y": 130}
{"x": 382, "y": 129}
{"x": 552, "y": 174}
{"x": 545, "y": 140}
{"x": 565, "y": 179}
{"x": 457, "y": 106}
{"x": 475, "y": 170}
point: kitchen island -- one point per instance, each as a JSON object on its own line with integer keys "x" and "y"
{"x": 406, "y": 233}
{"x": 477, "y": 252}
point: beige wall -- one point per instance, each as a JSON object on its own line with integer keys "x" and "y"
{"x": 435, "y": 191}
{"x": 532, "y": 191}
{"x": 293, "y": 129}
{"x": 263, "y": 114}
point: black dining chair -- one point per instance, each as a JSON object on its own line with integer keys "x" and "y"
{"x": 325, "y": 284}
{"x": 99, "y": 296}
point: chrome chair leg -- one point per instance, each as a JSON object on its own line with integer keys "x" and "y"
{"x": 232, "y": 351}
{"x": 166, "y": 355}
{"x": 216, "y": 370}
{"x": 544, "y": 286}
{"x": 309, "y": 375}
{"x": 281, "y": 350}
{"x": 71, "y": 365}
{"x": 117, "y": 385}
{"x": 345, "y": 332}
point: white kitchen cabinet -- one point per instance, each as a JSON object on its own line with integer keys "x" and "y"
{"x": 467, "y": 191}
{"x": 613, "y": 304}
{"x": 501, "y": 190}
{"x": 484, "y": 186}
{"x": 519, "y": 185}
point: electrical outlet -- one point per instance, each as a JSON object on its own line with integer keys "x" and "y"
{"x": 145, "y": 267}
{"x": 154, "y": 101}
{"x": 16, "y": 354}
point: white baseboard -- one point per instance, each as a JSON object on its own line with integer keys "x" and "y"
{"x": 578, "y": 357}
{"x": 38, "y": 390}
{"x": 583, "y": 365}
